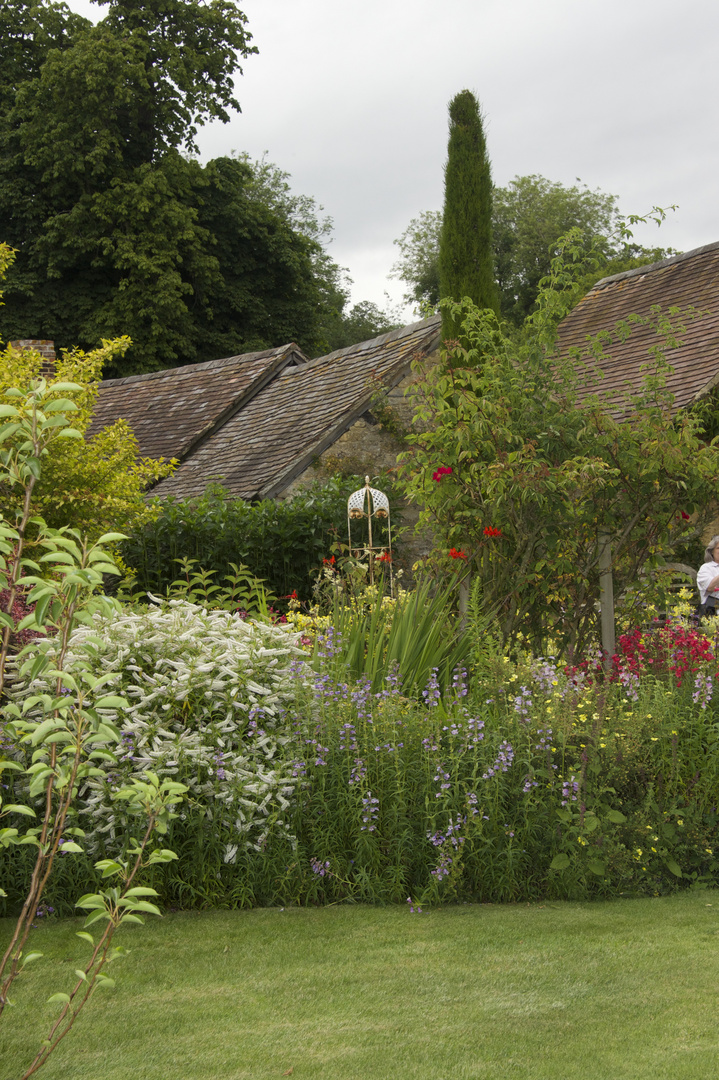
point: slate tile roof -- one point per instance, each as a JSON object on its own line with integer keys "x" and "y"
{"x": 688, "y": 280}
{"x": 172, "y": 411}
{"x": 276, "y": 435}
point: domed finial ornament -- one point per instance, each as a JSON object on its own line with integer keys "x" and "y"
{"x": 369, "y": 503}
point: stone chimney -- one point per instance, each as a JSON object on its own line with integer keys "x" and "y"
{"x": 46, "y": 350}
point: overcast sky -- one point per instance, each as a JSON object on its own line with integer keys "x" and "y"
{"x": 351, "y": 99}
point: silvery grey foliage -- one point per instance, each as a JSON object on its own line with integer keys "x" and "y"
{"x": 208, "y": 693}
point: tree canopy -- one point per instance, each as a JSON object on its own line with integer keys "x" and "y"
{"x": 529, "y": 216}
{"x": 118, "y": 229}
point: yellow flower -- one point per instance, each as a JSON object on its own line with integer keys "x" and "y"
{"x": 654, "y": 739}
{"x": 709, "y": 851}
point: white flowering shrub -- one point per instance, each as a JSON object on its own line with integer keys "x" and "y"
{"x": 208, "y": 694}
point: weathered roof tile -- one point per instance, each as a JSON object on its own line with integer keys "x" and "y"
{"x": 685, "y": 281}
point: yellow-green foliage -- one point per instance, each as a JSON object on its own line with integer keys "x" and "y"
{"x": 92, "y": 485}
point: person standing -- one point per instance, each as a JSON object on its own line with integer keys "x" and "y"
{"x": 708, "y": 578}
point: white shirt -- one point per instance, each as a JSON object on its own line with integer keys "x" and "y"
{"x": 705, "y": 574}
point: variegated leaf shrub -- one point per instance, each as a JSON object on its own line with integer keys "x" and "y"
{"x": 208, "y": 693}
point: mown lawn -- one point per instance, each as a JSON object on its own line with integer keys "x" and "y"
{"x": 618, "y": 991}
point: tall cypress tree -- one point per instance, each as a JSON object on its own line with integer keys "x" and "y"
{"x": 466, "y": 264}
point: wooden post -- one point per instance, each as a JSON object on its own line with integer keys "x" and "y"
{"x": 606, "y": 597}
{"x": 463, "y": 604}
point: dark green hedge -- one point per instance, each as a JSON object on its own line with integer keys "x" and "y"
{"x": 282, "y": 543}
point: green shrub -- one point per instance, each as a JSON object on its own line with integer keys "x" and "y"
{"x": 282, "y": 543}
{"x": 540, "y": 783}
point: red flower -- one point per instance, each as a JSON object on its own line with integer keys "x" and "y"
{"x": 443, "y": 470}
{"x": 454, "y": 554}
{"x": 330, "y": 561}
{"x": 385, "y": 557}
{"x": 290, "y": 596}
{"x": 490, "y": 530}
{"x": 685, "y": 516}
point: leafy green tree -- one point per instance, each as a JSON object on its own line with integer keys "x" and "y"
{"x": 529, "y": 216}
{"x": 465, "y": 246}
{"x": 118, "y": 231}
{"x": 521, "y": 481}
{"x": 95, "y": 485}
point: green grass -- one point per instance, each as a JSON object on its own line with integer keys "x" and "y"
{"x": 618, "y": 991}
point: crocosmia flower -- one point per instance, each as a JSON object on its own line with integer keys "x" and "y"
{"x": 454, "y": 554}
{"x": 490, "y": 530}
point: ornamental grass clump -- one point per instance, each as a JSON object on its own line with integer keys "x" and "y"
{"x": 207, "y": 697}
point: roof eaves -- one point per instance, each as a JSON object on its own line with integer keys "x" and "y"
{"x": 639, "y": 271}
{"x": 294, "y": 351}
{"x": 434, "y": 321}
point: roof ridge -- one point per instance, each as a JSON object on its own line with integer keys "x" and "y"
{"x": 382, "y": 339}
{"x": 638, "y": 271}
{"x": 206, "y": 365}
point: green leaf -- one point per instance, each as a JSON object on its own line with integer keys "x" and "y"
{"x": 141, "y": 890}
{"x": 63, "y": 998}
{"x": 60, "y": 405}
{"x": 29, "y": 958}
{"x": 674, "y": 867}
{"x": 615, "y": 816}
{"x": 69, "y": 433}
{"x": 111, "y": 538}
{"x": 81, "y": 974}
{"x": 161, "y": 855}
{"x": 8, "y": 410}
{"x": 95, "y": 916}
{"x": 91, "y": 900}
{"x": 85, "y": 937}
{"x": 559, "y": 862}
{"x": 112, "y": 701}
{"x": 597, "y": 867}
{"x": 15, "y": 808}
{"x": 141, "y": 905}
